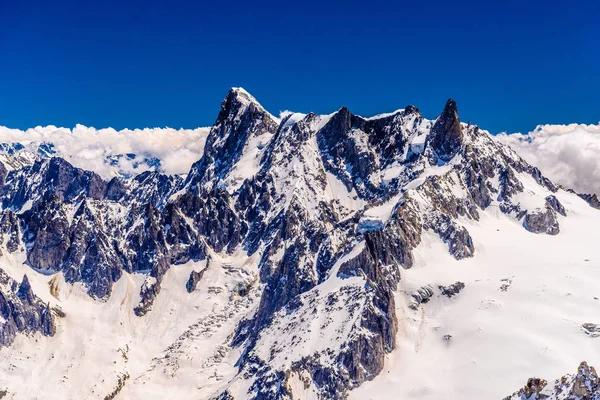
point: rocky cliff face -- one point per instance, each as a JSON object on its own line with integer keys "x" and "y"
{"x": 332, "y": 205}
{"x": 446, "y": 136}
{"x": 21, "y": 311}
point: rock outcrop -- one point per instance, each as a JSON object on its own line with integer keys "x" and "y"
{"x": 542, "y": 222}
{"x": 21, "y": 311}
{"x": 452, "y": 290}
{"x": 584, "y": 385}
{"x": 420, "y": 296}
{"x": 590, "y": 329}
{"x": 446, "y": 136}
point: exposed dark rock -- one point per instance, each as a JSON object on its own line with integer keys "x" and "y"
{"x": 584, "y": 385}
{"x": 80, "y": 247}
{"x": 46, "y": 231}
{"x": 393, "y": 245}
{"x": 542, "y": 222}
{"x": 91, "y": 257}
{"x": 460, "y": 243}
{"x": 240, "y": 118}
{"x": 509, "y": 184}
{"x": 3, "y": 174}
{"x": 478, "y": 188}
{"x": 336, "y": 140}
{"x": 446, "y": 134}
{"x": 50, "y": 177}
{"x": 9, "y": 228}
{"x": 195, "y": 277}
{"x": 363, "y": 357}
{"x": 533, "y": 388}
{"x": 324, "y": 378}
{"x": 541, "y": 179}
{"x": 121, "y": 380}
{"x": 452, "y": 290}
{"x": 150, "y": 289}
{"x": 355, "y": 149}
{"x": 553, "y": 203}
{"x": 24, "y": 292}
{"x": 22, "y": 311}
{"x": 116, "y": 189}
{"x": 506, "y": 283}
{"x": 148, "y": 187}
{"x": 591, "y": 199}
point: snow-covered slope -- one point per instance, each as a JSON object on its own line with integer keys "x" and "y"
{"x": 520, "y": 314}
{"x": 312, "y": 256}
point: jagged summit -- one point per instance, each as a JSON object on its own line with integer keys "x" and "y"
{"x": 446, "y": 134}
{"x": 24, "y": 292}
{"x": 238, "y": 97}
{"x": 241, "y": 120}
{"x": 241, "y": 91}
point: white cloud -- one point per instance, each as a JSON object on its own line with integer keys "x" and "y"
{"x": 89, "y": 148}
{"x": 567, "y": 154}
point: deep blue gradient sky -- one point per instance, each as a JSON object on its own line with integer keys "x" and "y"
{"x": 510, "y": 65}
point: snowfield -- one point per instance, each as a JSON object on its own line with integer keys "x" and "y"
{"x": 519, "y": 316}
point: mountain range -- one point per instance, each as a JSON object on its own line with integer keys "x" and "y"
{"x": 301, "y": 257}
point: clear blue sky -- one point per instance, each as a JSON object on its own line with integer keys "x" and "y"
{"x": 510, "y": 65}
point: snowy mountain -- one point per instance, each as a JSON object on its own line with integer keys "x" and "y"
{"x": 302, "y": 257}
{"x": 107, "y": 152}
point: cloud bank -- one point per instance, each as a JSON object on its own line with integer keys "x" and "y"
{"x": 109, "y": 152}
{"x": 567, "y": 154}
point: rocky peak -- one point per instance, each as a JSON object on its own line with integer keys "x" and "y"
{"x": 24, "y": 292}
{"x": 10, "y": 231}
{"x": 236, "y": 99}
{"x": 21, "y": 311}
{"x": 148, "y": 187}
{"x": 240, "y": 119}
{"x": 584, "y": 385}
{"x": 64, "y": 178}
{"x": 50, "y": 176}
{"x": 446, "y": 135}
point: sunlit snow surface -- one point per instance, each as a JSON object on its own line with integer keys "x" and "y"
{"x": 499, "y": 338}
{"x": 173, "y": 352}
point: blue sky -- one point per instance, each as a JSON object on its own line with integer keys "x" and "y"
{"x": 509, "y": 65}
